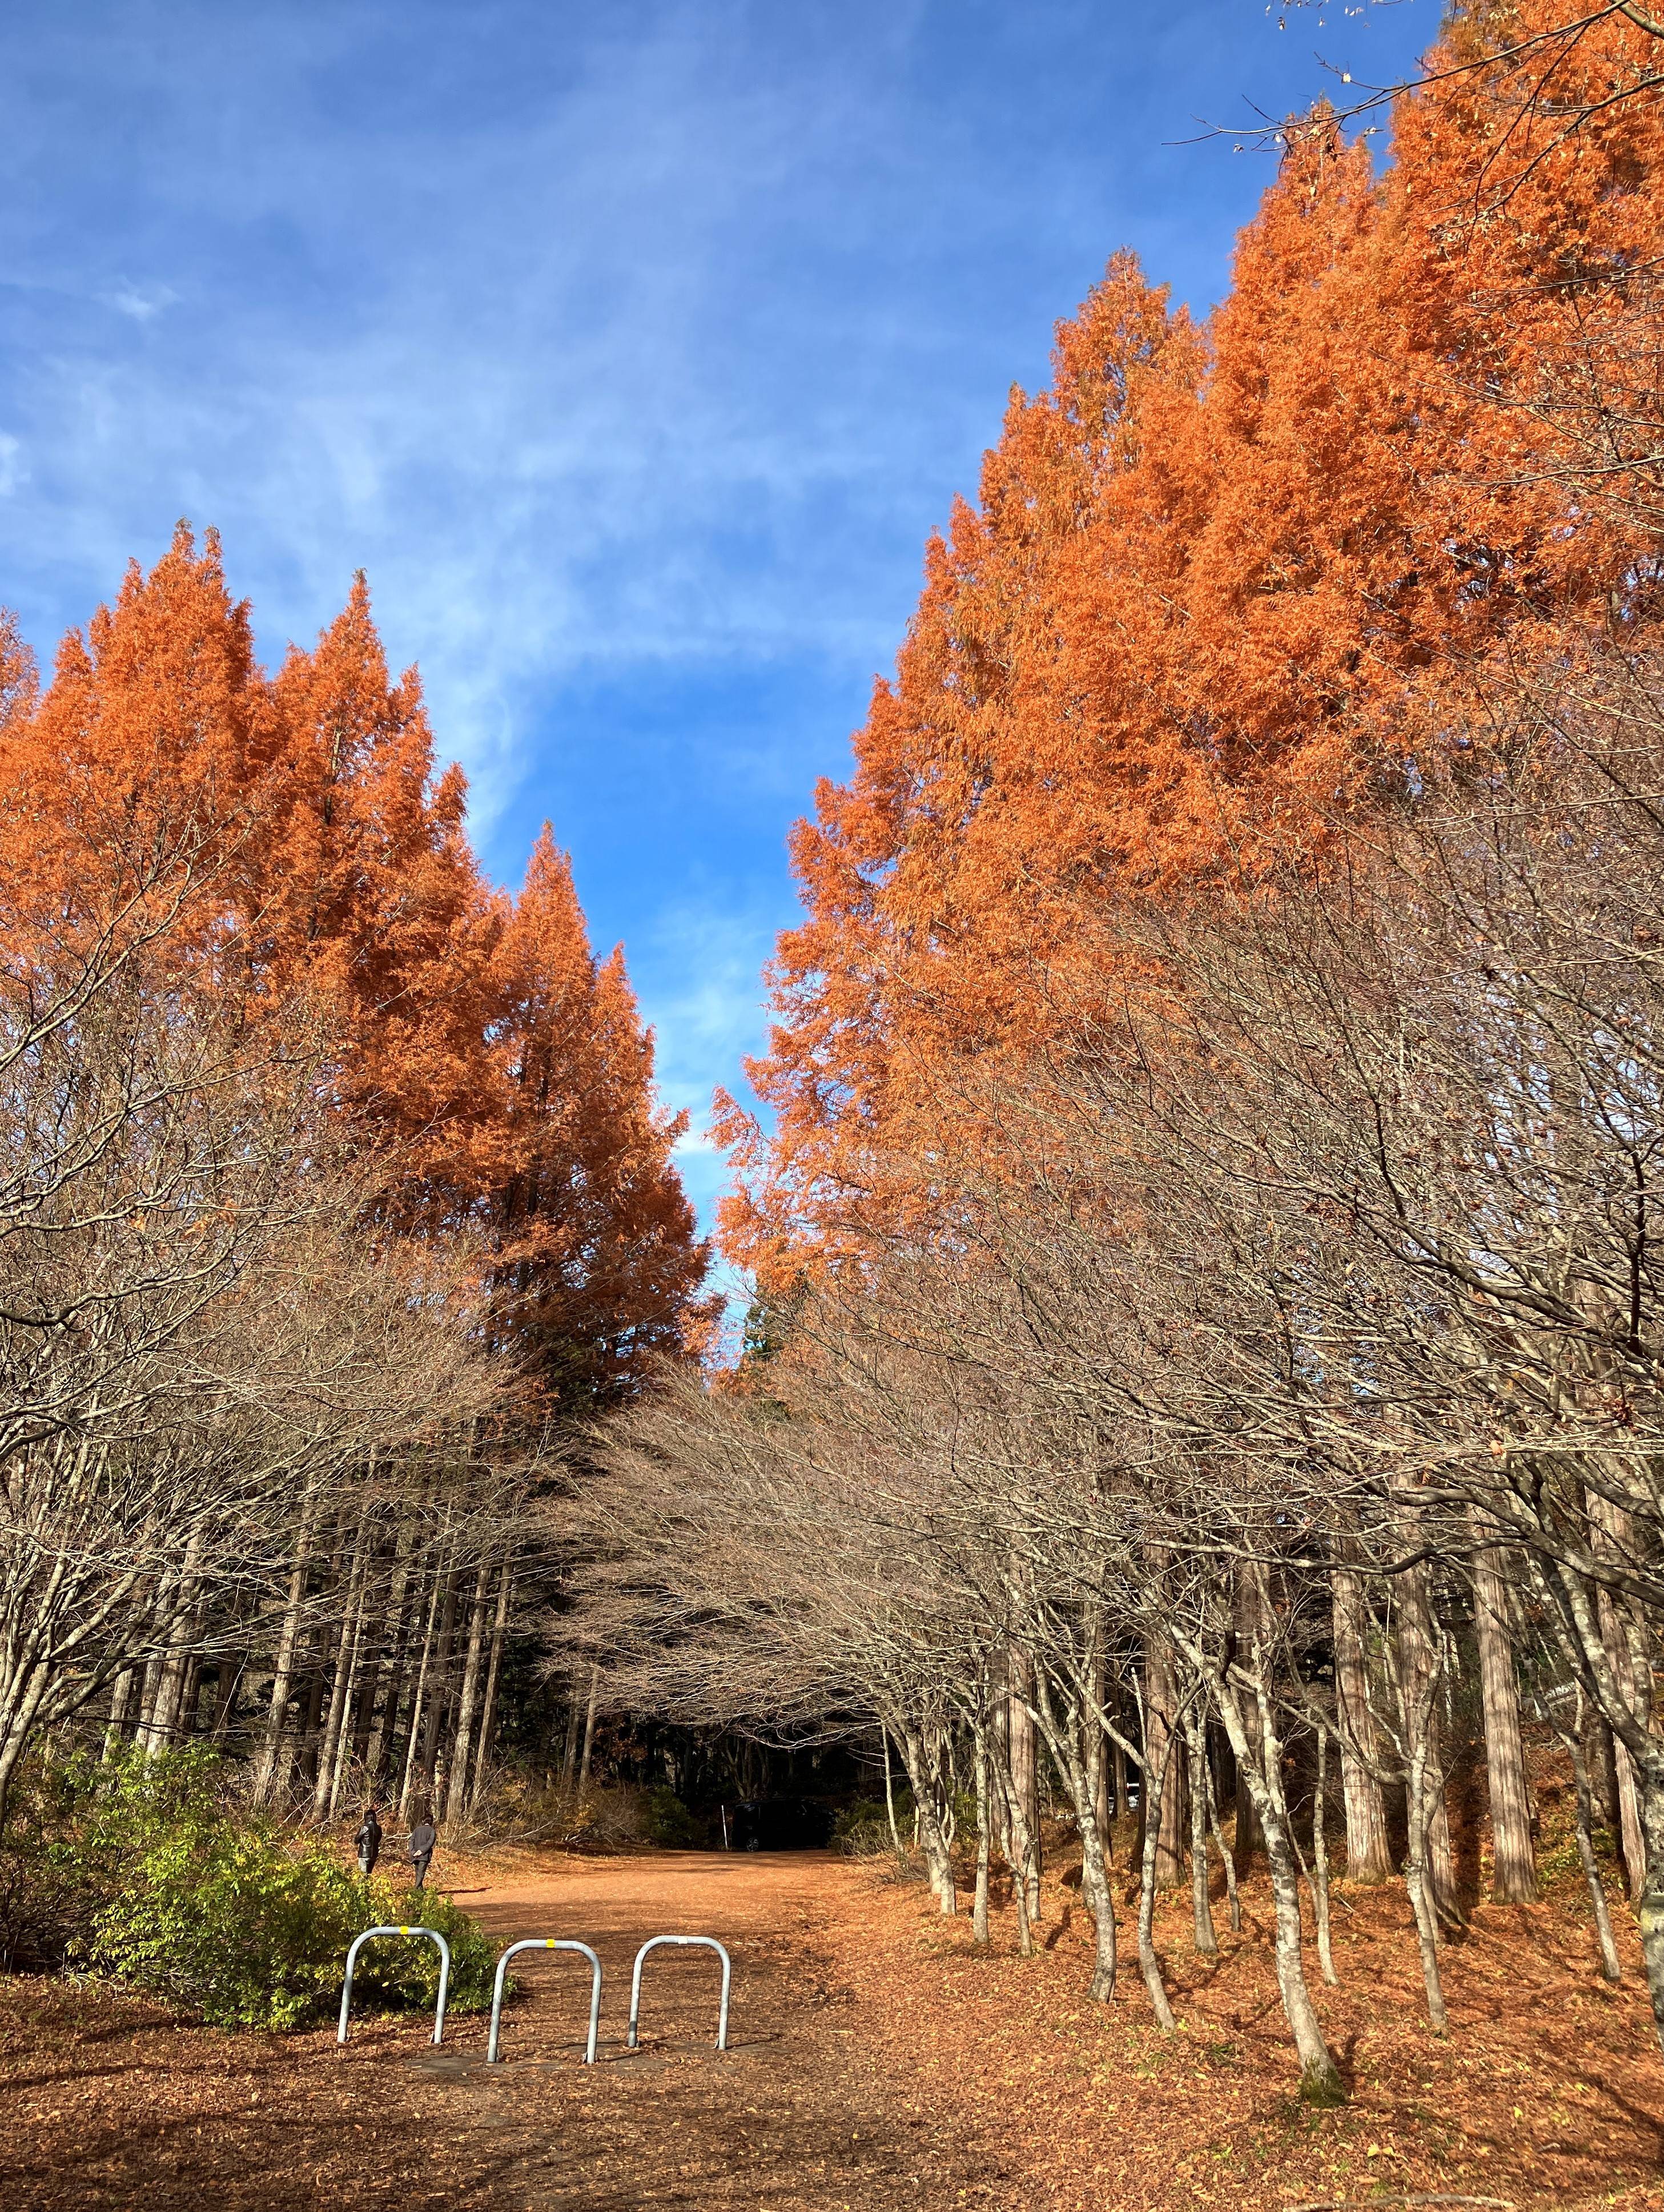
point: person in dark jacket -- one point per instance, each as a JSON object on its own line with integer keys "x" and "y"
{"x": 423, "y": 1836}
{"x": 368, "y": 1842}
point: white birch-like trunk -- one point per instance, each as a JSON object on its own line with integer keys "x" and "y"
{"x": 457, "y": 1795}
{"x": 493, "y": 1676}
{"x": 270, "y": 1766}
{"x": 1259, "y": 1771}
{"x": 323, "y": 1787}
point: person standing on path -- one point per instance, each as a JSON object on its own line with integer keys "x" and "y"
{"x": 423, "y": 1836}
{"x": 368, "y": 1842}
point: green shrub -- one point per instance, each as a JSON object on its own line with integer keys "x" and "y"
{"x": 219, "y": 1911}
{"x": 48, "y": 1899}
{"x": 862, "y": 1830}
{"x": 400, "y": 1977}
{"x": 669, "y": 1822}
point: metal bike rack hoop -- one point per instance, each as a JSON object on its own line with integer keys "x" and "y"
{"x": 357, "y": 1945}
{"x": 683, "y": 1942}
{"x": 546, "y": 1943}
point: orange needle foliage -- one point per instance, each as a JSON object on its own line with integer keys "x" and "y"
{"x": 1220, "y": 582}
{"x": 591, "y": 1220}
{"x": 294, "y": 832}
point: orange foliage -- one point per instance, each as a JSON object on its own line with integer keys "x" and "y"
{"x": 591, "y": 1221}
{"x": 1218, "y": 582}
{"x": 293, "y": 832}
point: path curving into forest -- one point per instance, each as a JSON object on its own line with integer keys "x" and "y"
{"x": 110, "y": 2104}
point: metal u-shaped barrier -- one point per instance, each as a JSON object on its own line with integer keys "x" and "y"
{"x": 546, "y": 1943}
{"x": 684, "y": 1942}
{"x": 357, "y": 1945}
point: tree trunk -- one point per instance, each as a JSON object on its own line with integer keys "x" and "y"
{"x": 169, "y": 1682}
{"x": 1025, "y": 1778}
{"x": 191, "y": 1699}
{"x": 388, "y": 1687}
{"x": 937, "y": 1857}
{"x": 323, "y": 1790}
{"x": 26, "y": 1691}
{"x": 366, "y": 1670}
{"x": 306, "y": 1760}
{"x": 1631, "y": 1841}
{"x": 1611, "y": 1970}
{"x": 1421, "y": 1784}
{"x": 23, "y": 1695}
{"x": 1160, "y": 1733}
{"x": 121, "y": 1698}
{"x": 1514, "y": 1875}
{"x": 889, "y": 1793}
{"x": 1420, "y": 1668}
{"x": 984, "y": 1822}
{"x": 436, "y": 1739}
{"x": 1627, "y": 1642}
{"x": 1321, "y": 1859}
{"x": 270, "y": 1771}
{"x": 1251, "y": 1637}
{"x": 575, "y": 1730}
{"x": 457, "y": 1795}
{"x": 1076, "y": 1743}
{"x": 1201, "y": 1908}
{"x": 1259, "y": 1770}
{"x": 225, "y": 1704}
{"x": 150, "y": 1682}
{"x": 1153, "y": 1793}
{"x": 1021, "y": 1850}
{"x": 1096, "y": 1884}
{"x": 1099, "y": 1685}
{"x": 355, "y": 1731}
{"x": 1600, "y": 1749}
{"x": 1226, "y": 1859}
{"x": 1369, "y": 1851}
{"x": 1649, "y": 1911}
{"x": 419, "y": 1695}
{"x": 1631, "y": 1832}
{"x": 493, "y": 1676}
{"x": 1014, "y": 1857}
{"x": 589, "y": 1731}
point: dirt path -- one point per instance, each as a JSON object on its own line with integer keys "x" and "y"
{"x": 787, "y": 2118}
{"x": 109, "y": 2104}
{"x": 879, "y": 2059}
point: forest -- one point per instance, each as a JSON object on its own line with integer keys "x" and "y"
{"x": 1202, "y": 1391}
{"x": 1207, "y": 1342}
{"x": 337, "y": 1196}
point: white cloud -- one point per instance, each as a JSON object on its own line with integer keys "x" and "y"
{"x": 621, "y": 346}
{"x": 554, "y": 376}
{"x": 698, "y": 971}
{"x": 140, "y": 302}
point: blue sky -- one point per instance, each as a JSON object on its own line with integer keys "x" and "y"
{"x": 633, "y": 348}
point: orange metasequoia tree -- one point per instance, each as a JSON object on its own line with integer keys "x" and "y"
{"x": 597, "y": 1255}
{"x": 270, "y": 879}
{"x": 1221, "y": 585}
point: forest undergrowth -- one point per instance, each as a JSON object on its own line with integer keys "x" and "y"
{"x": 880, "y": 2058}
{"x": 1546, "y": 2090}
